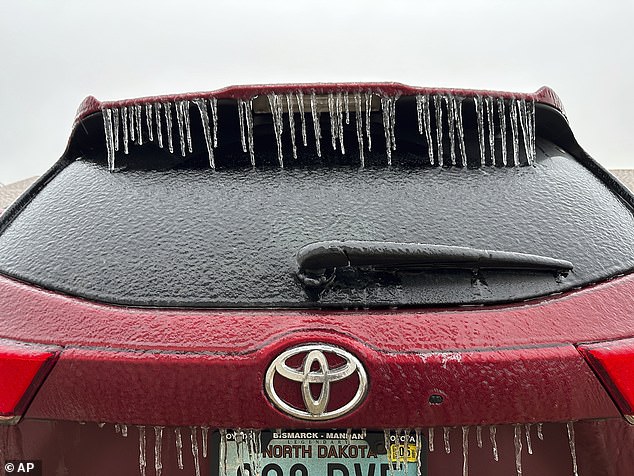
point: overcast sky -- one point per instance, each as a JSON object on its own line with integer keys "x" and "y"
{"x": 54, "y": 53}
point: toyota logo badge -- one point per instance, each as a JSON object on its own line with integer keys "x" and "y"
{"x": 314, "y": 368}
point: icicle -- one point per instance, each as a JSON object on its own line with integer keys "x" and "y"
{"x": 419, "y": 112}
{"x": 124, "y": 430}
{"x": 465, "y": 451}
{"x": 573, "y": 451}
{"x": 222, "y": 455}
{"x": 339, "y": 104}
{"x": 148, "y": 120}
{"x": 204, "y": 118}
{"x": 517, "y": 440}
{"x": 479, "y": 107}
{"x": 502, "y": 116}
{"x": 115, "y": 118}
{"x": 249, "y": 117}
{"x": 438, "y": 109}
{"x": 117, "y": 428}
{"x": 540, "y": 431}
{"x": 419, "y": 448}
{"x": 334, "y": 129}
{"x": 196, "y": 456}
{"x": 180, "y": 118}
{"x": 460, "y": 128}
{"x": 359, "y": 119}
{"x": 426, "y": 123}
{"x": 243, "y": 137}
{"x": 479, "y": 436}
{"x": 188, "y": 126}
{"x": 179, "y": 447}
{"x": 494, "y": 443}
{"x": 368, "y": 123}
{"x": 239, "y": 439}
{"x": 386, "y": 441}
{"x": 451, "y": 115}
{"x": 523, "y": 119}
{"x": 159, "y": 126}
{"x": 278, "y": 125}
{"x": 205, "y": 439}
{"x": 291, "y": 122}
{"x": 388, "y": 107}
{"x": 300, "y": 105}
{"x": 125, "y": 128}
{"x": 514, "y": 129}
{"x": 158, "y": 446}
{"x": 445, "y": 434}
{"x": 101, "y": 425}
{"x": 131, "y": 126}
{"x": 430, "y": 439}
{"x": 316, "y": 126}
{"x": 167, "y": 109}
{"x": 107, "y": 127}
{"x": 488, "y": 101}
{"x": 346, "y": 104}
{"x": 142, "y": 458}
{"x": 529, "y": 445}
{"x": 139, "y": 123}
{"x": 531, "y": 130}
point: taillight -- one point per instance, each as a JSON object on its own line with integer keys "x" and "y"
{"x": 613, "y": 362}
{"x": 23, "y": 368}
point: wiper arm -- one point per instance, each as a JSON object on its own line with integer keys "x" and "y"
{"x": 316, "y": 258}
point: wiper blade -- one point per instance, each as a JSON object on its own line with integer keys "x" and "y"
{"x": 316, "y": 258}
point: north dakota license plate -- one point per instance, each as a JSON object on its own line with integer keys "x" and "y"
{"x": 321, "y": 453}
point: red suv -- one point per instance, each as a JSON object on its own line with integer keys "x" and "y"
{"x": 323, "y": 280}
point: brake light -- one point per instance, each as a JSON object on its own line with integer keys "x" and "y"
{"x": 22, "y": 370}
{"x": 613, "y": 362}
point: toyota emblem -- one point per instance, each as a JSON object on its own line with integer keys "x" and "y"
{"x": 309, "y": 364}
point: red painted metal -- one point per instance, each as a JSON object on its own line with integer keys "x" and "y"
{"x": 614, "y": 364}
{"x": 596, "y": 313}
{"x": 544, "y": 95}
{"x": 22, "y": 370}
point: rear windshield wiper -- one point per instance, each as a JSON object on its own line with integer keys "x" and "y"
{"x": 317, "y": 261}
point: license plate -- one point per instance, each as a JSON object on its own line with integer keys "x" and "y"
{"x": 320, "y": 453}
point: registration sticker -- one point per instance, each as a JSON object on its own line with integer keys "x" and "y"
{"x": 321, "y": 453}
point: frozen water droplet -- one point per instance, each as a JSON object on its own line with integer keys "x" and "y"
{"x": 540, "y": 431}
{"x": 479, "y": 107}
{"x": 167, "y": 110}
{"x": 196, "y": 456}
{"x": 148, "y": 119}
{"x": 368, "y": 123}
{"x": 494, "y": 443}
{"x": 430, "y": 439}
{"x": 101, "y": 425}
{"x": 204, "y": 118}
{"x": 446, "y": 434}
{"x": 222, "y": 456}
{"x": 517, "y": 441}
{"x": 124, "y": 430}
{"x": 291, "y": 122}
{"x": 479, "y": 436}
{"x": 142, "y": 458}
{"x": 573, "y": 451}
{"x": 158, "y": 446}
{"x": 302, "y": 115}
{"x": 316, "y": 125}
{"x": 515, "y": 133}
{"x": 359, "y": 121}
{"x": 205, "y": 439}
{"x": 107, "y": 127}
{"x": 125, "y": 129}
{"x": 438, "y": 110}
{"x": 275, "y": 101}
{"x": 179, "y": 447}
{"x": 529, "y": 445}
{"x": 502, "y": 116}
{"x": 465, "y": 451}
{"x": 115, "y": 118}
{"x": 117, "y": 428}
{"x": 488, "y": 102}
{"x": 159, "y": 126}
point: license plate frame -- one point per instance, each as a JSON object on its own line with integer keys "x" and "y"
{"x": 323, "y": 453}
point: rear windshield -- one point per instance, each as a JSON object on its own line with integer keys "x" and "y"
{"x": 229, "y": 238}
